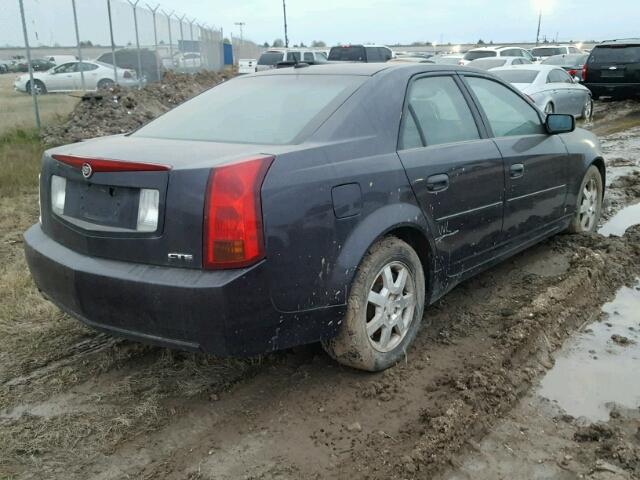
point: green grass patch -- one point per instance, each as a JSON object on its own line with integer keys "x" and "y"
{"x": 20, "y": 154}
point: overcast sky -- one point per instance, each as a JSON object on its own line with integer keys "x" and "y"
{"x": 334, "y": 21}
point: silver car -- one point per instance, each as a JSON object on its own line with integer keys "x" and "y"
{"x": 496, "y": 62}
{"x": 550, "y": 87}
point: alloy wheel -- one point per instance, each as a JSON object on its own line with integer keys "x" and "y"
{"x": 589, "y": 205}
{"x": 390, "y": 306}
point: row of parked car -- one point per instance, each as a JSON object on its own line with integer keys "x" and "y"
{"x": 557, "y": 78}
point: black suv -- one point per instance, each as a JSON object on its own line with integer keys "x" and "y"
{"x": 613, "y": 68}
{"x": 360, "y": 53}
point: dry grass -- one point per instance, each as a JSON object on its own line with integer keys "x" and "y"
{"x": 17, "y": 107}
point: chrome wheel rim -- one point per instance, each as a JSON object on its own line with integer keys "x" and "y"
{"x": 589, "y": 206}
{"x": 37, "y": 88}
{"x": 587, "y": 110}
{"x": 548, "y": 109}
{"x": 390, "y": 306}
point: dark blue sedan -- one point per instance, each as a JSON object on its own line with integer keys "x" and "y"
{"x": 326, "y": 203}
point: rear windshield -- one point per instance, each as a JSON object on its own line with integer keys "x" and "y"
{"x": 479, "y": 54}
{"x": 272, "y": 109}
{"x": 573, "y": 60}
{"x": 616, "y": 54}
{"x": 517, "y": 75}
{"x": 487, "y": 63}
{"x": 348, "y": 54}
{"x": 270, "y": 58}
{"x": 546, "y": 51}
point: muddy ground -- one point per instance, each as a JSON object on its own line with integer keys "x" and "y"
{"x": 78, "y": 404}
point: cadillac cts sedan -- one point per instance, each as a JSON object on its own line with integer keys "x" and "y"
{"x": 314, "y": 204}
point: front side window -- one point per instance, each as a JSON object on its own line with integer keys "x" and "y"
{"x": 436, "y": 113}
{"x": 507, "y": 113}
{"x": 66, "y": 68}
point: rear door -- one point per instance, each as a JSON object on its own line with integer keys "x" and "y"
{"x": 455, "y": 171}
{"x": 563, "y": 95}
{"x": 535, "y": 163}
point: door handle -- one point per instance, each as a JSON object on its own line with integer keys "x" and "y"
{"x": 437, "y": 183}
{"x": 516, "y": 170}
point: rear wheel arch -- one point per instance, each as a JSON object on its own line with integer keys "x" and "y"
{"x": 417, "y": 239}
{"x": 599, "y": 162}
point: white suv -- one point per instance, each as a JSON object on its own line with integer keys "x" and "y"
{"x": 487, "y": 52}
{"x": 545, "y": 51}
{"x": 271, "y": 58}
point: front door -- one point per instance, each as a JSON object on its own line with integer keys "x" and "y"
{"x": 455, "y": 171}
{"x": 535, "y": 162}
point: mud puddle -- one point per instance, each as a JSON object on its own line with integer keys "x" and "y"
{"x": 598, "y": 368}
{"x": 621, "y": 221}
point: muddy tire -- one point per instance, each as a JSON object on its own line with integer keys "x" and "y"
{"x": 587, "y": 111}
{"x": 589, "y": 204}
{"x": 384, "y": 310}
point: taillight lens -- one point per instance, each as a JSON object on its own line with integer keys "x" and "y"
{"x": 233, "y": 235}
{"x": 584, "y": 72}
{"x": 573, "y": 73}
{"x": 58, "y": 193}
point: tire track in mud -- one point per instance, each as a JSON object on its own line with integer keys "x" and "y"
{"x": 297, "y": 414}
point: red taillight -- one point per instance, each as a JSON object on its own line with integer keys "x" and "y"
{"x": 127, "y": 74}
{"x": 106, "y": 165}
{"x": 584, "y": 72}
{"x": 573, "y": 72}
{"x": 233, "y": 235}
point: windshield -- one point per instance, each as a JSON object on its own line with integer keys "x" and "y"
{"x": 487, "y": 63}
{"x": 474, "y": 54}
{"x": 272, "y": 109}
{"x": 546, "y": 51}
{"x": 616, "y": 54}
{"x": 517, "y": 75}
{"x": 270, "y": 58}
{"x": 347, "y": 54}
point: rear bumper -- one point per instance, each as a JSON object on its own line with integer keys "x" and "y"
{"x": 222, "y": 312}
{"x": 611, "y": 88}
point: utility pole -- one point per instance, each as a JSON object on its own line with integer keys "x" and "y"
{"x": 241, "y": 25}
{"x": 286, "y": 37}
{"x": 539, "y": 23}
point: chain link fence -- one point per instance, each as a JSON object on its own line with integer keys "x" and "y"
{"x": 132, "y": 42}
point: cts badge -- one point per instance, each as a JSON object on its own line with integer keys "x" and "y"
{"x": 87, "y": 171}
{"x": 183, "y": 257}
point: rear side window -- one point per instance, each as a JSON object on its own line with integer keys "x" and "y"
{"x": 616, "y": 54}
{"x": 293, "y": 57}
{"x": 348, "y": 54}
{"x": 272, "y": 110}
{"x": 558, "y": 76}
{"x": 437, "y": 113}
{"x": 508, "y": 113}
{"x": 517, "y": 76}
{"x": 473, "y": 55}
{"x": 270, "y": 58}
{"x": 308, "y": 57}
{"x": 373, "y": 55}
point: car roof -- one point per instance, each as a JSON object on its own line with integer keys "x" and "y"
{"x": 488, "y": 49}
{"x": 620, "y": 41}
{"x": 506, "y": 57}
{"x": 356, "y": 69}
{"x": 554, "y": 46}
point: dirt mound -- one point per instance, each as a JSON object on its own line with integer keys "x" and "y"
{"x": 121, "y": 110}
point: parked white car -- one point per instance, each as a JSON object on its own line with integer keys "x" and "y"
{"x": 188, "y": 60}
{"x": 497, "y": 62}
{"x": 246, "y": 65}
{"x": 546, "y": 51}
{"x": 487, "y": 52}
{"x": 551, "y": 88}
{"x": 67, "y": 78}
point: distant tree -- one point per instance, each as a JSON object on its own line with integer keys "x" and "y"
{"x": 161, "y": 42}
{"x": 278, "y": 43}
{"x": 265, "y": 44}
{"x": 491, "y": 42}
{"x": 86, "y": 43}
{"x": 481, "y": 42}
{"x": 226, "y": 40}
{"x": 418, "y": 44}
{"x": 318, "y": 44}
{"x": 302, "y": 45}
{"x": 295, "y": 46}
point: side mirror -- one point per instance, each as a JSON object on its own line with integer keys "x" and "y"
{"x": 560, "y": 123}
